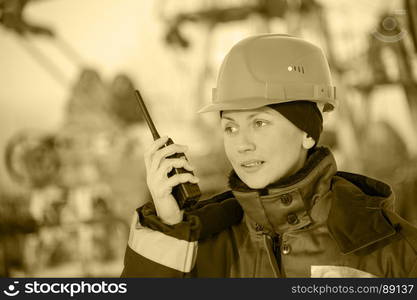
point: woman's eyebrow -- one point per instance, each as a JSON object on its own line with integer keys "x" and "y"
{"x": 227, "y": 118}
{"x": 257, "y": 113}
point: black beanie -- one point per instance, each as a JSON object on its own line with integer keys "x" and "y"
{"x": 303, "y": 114}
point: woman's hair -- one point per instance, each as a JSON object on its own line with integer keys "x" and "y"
{"x": 303, "y": 114}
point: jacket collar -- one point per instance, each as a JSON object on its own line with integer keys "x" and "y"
{"x": 355, "y": 219}
{"x": 285, "y": 205}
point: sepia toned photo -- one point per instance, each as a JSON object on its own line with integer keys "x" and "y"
{"x": 201, "y": 139}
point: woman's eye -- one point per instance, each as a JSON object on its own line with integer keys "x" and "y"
{"x": 230, "y": 129}
{"x": 260, "y": 123}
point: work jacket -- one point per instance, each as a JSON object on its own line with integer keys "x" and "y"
{"x": 315, "y": 223}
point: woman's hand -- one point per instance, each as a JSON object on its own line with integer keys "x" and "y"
{"x": 160, "y": 185}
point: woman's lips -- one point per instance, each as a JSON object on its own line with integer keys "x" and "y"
{"x": 252, "y": 165}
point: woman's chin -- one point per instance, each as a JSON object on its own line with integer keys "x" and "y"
{"x": 255, "y": 184}
{"x": 258, "y": 180}
{"x": 256, "y": 187}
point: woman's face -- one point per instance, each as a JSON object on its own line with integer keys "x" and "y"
{"x": 262, "y": 145}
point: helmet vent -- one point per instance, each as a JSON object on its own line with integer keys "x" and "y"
{"x": 299, "y": 69}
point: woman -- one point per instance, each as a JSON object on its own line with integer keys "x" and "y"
{"x": 289, "y": 213}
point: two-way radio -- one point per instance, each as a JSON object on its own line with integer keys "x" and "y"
{"x": 186, "y": 194}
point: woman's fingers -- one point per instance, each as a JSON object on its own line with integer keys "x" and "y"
{"x": 157, "y": 144}
{"x": 162, "y": 188}
{"x": 181, "y": 178}
{"x": 158, "y": 165}
{"x": 168, "y": 164}
{"x": 169, "y": 150}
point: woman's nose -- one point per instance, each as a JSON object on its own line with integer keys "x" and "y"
{"x": 245, "y": 143}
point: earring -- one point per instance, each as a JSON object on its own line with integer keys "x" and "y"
{"x": 308, "y": 142}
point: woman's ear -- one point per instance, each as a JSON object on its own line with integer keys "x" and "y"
{"x": 308, "y": 141}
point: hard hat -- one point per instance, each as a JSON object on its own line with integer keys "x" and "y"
{"x": 272, "y": 68}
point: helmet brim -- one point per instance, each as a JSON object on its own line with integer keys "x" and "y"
{"x": 250, "y": 103}
{"x": 242, "y": 104}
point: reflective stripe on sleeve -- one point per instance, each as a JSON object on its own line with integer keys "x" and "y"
{"x": 161, "y": 248}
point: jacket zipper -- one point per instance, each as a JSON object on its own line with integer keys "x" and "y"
{"x": 276, "y": 247}
{"x": 275, "y": 240}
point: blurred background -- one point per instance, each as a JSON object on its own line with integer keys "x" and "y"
{"x": 72, "y": 140}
